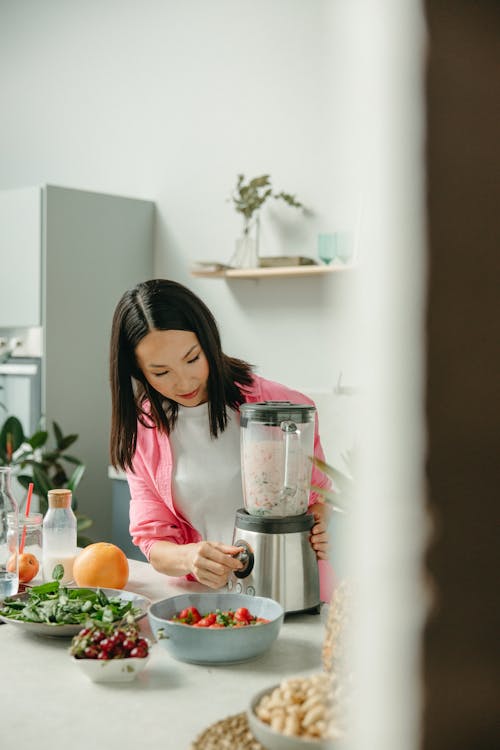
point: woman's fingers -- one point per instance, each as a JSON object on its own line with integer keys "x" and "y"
{"x": 226, "y": 555}
{"x": 213, "y": 562}
{"x": 210, "y": 579}
{"x": 319, "y": 539}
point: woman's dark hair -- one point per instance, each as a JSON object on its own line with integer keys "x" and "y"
{"x": 164, "y": 305}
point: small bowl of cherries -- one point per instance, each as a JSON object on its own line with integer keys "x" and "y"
{"x": 114, "y": 652}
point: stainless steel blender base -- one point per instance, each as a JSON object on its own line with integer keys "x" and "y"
{"x": 280, "y": 562}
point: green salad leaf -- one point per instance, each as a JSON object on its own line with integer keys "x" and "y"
{"x": 54, "y": 604}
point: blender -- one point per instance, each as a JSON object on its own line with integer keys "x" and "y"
{"x": 277, "y": 443}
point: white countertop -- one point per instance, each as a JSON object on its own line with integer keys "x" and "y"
{"x": 47, "y": 702}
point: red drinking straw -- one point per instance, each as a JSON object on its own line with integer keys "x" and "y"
{"x": 28, "y": 504}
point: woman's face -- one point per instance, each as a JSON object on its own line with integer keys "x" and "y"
{"x": 174, "y": 363}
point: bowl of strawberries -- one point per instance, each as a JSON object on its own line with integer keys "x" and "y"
{"x": 216, "y": 628}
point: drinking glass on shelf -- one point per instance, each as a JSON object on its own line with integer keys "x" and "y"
{"x": 343, "y": 246}
{"x": 327, "y": 247}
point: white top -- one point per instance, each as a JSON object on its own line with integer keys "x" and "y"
{"x": 206, "y": 477}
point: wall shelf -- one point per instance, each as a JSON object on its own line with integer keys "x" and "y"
{"x": 275, "y": 271}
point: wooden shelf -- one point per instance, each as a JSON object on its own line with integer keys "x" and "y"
{"x": 265, "y": 273}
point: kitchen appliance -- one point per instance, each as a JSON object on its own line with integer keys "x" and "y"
{"x": 21, "y": 376}
{"x": 273, "y": 529}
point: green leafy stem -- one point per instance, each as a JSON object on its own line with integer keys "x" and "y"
{"x": 249, "y": 197}
{"x": 339, "y": 497}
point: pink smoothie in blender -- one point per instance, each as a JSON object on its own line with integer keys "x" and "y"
{"x": 277, "y": 440}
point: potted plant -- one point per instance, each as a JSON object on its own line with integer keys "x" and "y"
{"x": 340, "y": 495}
{"x": 248, "y": 198}
{"x": 47, "y": 466}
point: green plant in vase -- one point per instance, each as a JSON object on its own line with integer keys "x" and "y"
{"x": 248, "y": 198}
{"x": 48, "y": 467}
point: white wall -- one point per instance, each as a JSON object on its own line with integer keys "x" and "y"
{"x": 169, "y": 101}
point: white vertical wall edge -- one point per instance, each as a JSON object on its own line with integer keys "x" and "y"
{"x": 385, "y": 81}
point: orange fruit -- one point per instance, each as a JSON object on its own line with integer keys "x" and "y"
{"x": 28, "y": 566}
{"x": 101, "y": 565}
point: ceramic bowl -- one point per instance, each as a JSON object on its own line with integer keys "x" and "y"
{"x": 223, "y": 646}
{"x": 111, "y": 670}
{"x": 55, "y": 630}
{"x": 272, "y": 740}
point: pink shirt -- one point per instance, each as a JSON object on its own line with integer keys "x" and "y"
{"x": 153, "y": 515}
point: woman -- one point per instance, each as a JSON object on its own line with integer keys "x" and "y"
{"x": 175, "y": 431}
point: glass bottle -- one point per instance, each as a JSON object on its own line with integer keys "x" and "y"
{"x": 59, "y": 535}
{"x": 9, "y": 524}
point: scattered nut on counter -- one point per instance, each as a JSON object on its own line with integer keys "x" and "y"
{"x": 307, "y": 707}
{"x": 231, "y": 733}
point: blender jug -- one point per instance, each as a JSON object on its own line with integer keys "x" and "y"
{"x": 277, "y": 443}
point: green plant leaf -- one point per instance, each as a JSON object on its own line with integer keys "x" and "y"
{"x": 330, "y": 471}
{"x": 67, "y": 441}
{"x": 343, "y": 485}
{"x": 330, "y": 497}
{"x": 83, "y": 522}
{"x": 57, "y": 433}
{"x": 71, "y": 459}
{"x": 38, "y": 439}
{"x": 12, "y": 431}
{"x": 83, "y": 541}
{"x": 50, "y": 457}
{"x": 24, "y": 480}
{"x": 261, "y": 181}
{"x": 41, "y": 481}
{"x": 288, "y": 198}
{"x": 76, "y": 477}
{"x": 59, "y": 477}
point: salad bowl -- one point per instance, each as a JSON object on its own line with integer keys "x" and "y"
{"x": 222, "y": 645}
{"x": 117, "y": 600}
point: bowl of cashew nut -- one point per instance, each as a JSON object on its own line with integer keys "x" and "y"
{"x": 301, "y": 712}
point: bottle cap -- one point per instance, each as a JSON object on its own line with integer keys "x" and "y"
{"x": 59, "y": 498}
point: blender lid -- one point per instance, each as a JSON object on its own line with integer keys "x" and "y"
{"x": 273, "y": 524}
{"x": 275, "y": 412}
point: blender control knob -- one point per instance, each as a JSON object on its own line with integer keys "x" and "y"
{"x": 245, "y": 556}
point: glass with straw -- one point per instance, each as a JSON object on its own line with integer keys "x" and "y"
{"x": 30, "y": 542}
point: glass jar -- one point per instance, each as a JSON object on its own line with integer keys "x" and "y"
{"x": 9, "y": 514}
{"x": 33, "y": 535}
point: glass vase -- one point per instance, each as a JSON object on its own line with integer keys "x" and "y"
{"x": 246, "y": 253}
{"x": 9, "y": 525}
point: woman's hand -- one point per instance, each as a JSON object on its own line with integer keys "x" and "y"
{"x": 212, "y": 562}
{"x": 319, "y": 532}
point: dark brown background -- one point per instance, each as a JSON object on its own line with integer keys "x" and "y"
{"x": 462, "y": 640}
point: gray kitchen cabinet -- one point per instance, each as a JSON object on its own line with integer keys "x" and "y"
{"x": 66, "y": 257}
{"x": 20, "y": 257}
{"x": 120, "y": 534}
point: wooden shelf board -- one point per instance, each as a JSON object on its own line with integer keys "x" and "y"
{"x": 264, "y": 273}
